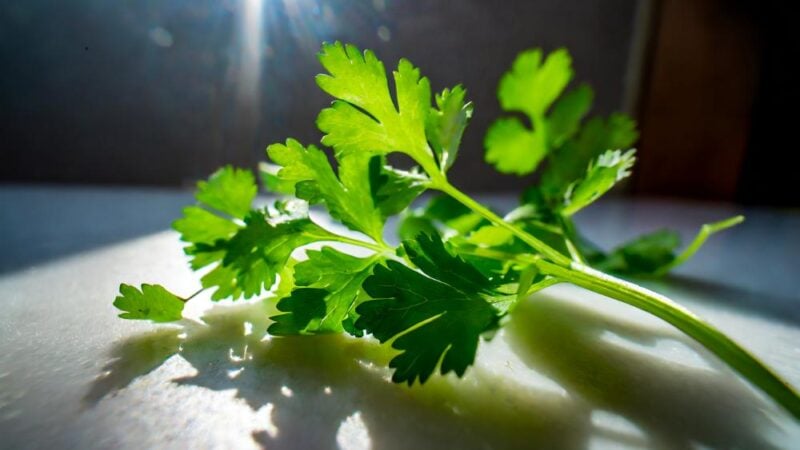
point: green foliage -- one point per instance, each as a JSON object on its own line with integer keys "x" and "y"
{"x": 531, "y": 87}
{"x": 230, "y": 191}
{"x": 245, "y": 249}
{"x": 461, "y": 267}
{"x": 645, "y": 255}
{"x": 251, "y": 259}
{"x": 512, "y": 148}
{"x": 533, "y": 84}
{"x": 442, "y": 215}
{"x": 393, "y": 189}
{"x": 364, "y": 118}
{"x": 328, "y": 284}
{"x": 348, "y": 196}
{"x": 152, "y": 302}
{"x": 437, "y": 315}
{"x": 607, "y": 170}
{"x": 569, "y": 161}
{"x": 446, "y": 123}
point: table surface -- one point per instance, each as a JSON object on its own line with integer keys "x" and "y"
{"x": 570, "y": 370}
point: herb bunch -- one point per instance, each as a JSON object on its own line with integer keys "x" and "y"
{"x": 461, "y": 268}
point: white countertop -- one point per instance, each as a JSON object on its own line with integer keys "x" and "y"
{"x": 570, "y": 370}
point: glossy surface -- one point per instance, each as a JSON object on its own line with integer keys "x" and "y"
{"x": 570, "y": 370}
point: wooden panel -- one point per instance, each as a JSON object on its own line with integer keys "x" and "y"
{"x": 696, "y": 108}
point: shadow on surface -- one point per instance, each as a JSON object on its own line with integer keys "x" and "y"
{"x": 784, "y": 309}
{"x": 43, "y": 223}
{"x": 674, "y": 405}
{"x": 317, "y": 388}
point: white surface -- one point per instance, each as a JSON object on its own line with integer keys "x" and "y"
{"x": 570, "y": 370}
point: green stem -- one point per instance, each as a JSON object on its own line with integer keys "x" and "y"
{"x": 705, "y": 232}
{"x": 499, "y": 255}
{"x": 570, "y": 237}
{"x": 184, "y": 300}
{"x": 715, "y": 341}
{"x": 542, "y": 248}
{"x": 712, "y": 339}
{"x": 378, "y": 248}
{"x": 547, "y": 282}
{"x": 546, "y": 227}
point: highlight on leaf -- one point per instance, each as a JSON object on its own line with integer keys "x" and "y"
{"x": 446, "y": 123}
{"x": 150, "y": 302}
{"x": 364, "y": 118}
{"x": 607, "y": 170}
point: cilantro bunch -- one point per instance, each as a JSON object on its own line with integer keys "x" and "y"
{"x": 461, "y": 268}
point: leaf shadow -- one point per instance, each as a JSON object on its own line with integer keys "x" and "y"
{"x": 774, "y": 307}
{"x": 605, "y": 361}
{"x": 312, "y": 387}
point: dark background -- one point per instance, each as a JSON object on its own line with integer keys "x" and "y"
{"x": 163, "y": 92}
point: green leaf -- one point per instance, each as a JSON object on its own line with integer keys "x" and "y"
{"x": 328, "y": 284}
{"x": 152, "y": 302}
{"x": 228, "y": 190}
{"x": 446, "y": 124}
{"x": 430, "y": 254}
{"x": 347, "y": 196}
{"x": 644, "y": 255}
{"x": 569, "y": 161}
{"x": 271, "y": 181}
{"x": 201, "y": 225}
{"x": 228, "y": 194}
{"x": 533, "y": 206}
{"x": 441, "y": 214}
{"x": 490, "y": 236}
{"x": 532, "y": 85}
{"x": 218, "y": 215}
{"x": 609, "y": 168}
{"x": 432, "y": 317}
{"x": 365, "y": 119}
{"x": 451, "y": 322}
{"x": 251, "y": 259}
{"x": 655, "y": 254}
{"x": 447, "y": 210}
{"x": 238, "y": 243}
{"x": 512, "y": 148}
{"x": 567, "y": 113}
{"x": 393, "y": 190}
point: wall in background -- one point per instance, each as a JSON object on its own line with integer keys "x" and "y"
{"x": 163, "y": 92}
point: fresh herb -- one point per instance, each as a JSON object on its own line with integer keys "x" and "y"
{"x": 460, "y": 267}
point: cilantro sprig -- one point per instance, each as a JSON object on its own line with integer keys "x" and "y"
{"x": 461, "y": 267}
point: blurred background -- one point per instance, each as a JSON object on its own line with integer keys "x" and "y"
{"x": 160, "y": 93}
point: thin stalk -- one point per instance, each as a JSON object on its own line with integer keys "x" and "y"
{"x": 715, "y": 341}
{"x": 547, "y": 282}
{"x": 542, "y": 248}
{"x": 379, "y": 248}
{"x": 543, "y": 226}
{"x": 499, "y": 255}
{"x": 681, "y": 318}
{"x": 184, "y": 300}
{"x": 705, "y": 232}
{"x": 570, "y": 237}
